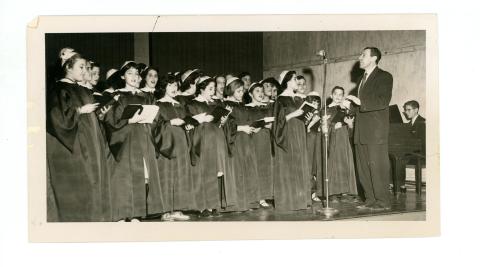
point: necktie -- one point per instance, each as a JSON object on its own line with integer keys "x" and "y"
{"x": 362, "y": 83}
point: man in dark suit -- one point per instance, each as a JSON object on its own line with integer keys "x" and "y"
{"x": 410, "y": 109}
{"x": 417, "y": 124}
{"x": 371, "y": 131}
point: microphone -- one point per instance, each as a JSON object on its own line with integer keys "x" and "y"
{"x": 321, "y": 53}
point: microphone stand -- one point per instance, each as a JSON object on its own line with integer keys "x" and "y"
{"x": 327, "y": 210}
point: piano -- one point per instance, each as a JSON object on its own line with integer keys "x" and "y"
{"x": 405, "y": 144}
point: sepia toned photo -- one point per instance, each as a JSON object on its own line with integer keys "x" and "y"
{"x": 207, "y": 127}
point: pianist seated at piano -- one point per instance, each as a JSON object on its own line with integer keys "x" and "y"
{"x": 411, "y": 113}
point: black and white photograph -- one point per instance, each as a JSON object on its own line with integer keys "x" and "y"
{"x": 183, "y": 127}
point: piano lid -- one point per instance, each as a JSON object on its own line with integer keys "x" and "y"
{"x": 395, "y": 115}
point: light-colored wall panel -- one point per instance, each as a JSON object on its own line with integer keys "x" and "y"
{"x": 404, "y": 58}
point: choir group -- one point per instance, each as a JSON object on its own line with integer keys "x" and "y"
{"x": 141, "y": 144}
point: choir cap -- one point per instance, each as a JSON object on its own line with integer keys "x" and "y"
{"x": 66, "y": 53}
{"x": 126, "y": 63}
{"x": 282, "y": 75}
{"x": 187, "y": 73}
{"x": 230, "y": 80}
{"x": 253, "y": 85}
{"x": 203, "y": 78}
{"x": 110, "y": 72}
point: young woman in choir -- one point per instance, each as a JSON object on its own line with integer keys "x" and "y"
{"x": 241, "y": 150}
{"x": 171, "y": 142}
{"x": 135, "y": 169}
{"x": 76, "y": 148}
{"x": 95, "y": 73}
{"x": 341, "y": 172}
{"x": 149, "y": 81}
{"x": 212, "y": 179}
{"x": 291, "y": 172}
{"x": 87, "y": 76}
{"x": 188, "y": 83}
{"x": 302, "y": 87}
{"x": 219, "y": 88}
{"x": 270, "y": 88}
{"x": 261, "y": 142}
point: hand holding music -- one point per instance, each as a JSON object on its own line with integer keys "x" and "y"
{"x": 88, "y": 108}
{"x": 354, "y": 99}
{"x": 177, "y": 122}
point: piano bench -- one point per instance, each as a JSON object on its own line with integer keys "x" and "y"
{"x": 398, "y": 164}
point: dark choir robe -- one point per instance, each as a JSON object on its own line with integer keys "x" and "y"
{"x": 134, "y": 151}
{"x": 149, "y": 94}
{"x": 262, "y": 146}
{"x": 184, "y": 99}
{"x": 291, "y": 171}
{"x": 173, "y": 159}
{"x": 341, "y": 168}
{"x": 208, "y": 155}
{"x": 315, "y": 153}
{"x": 243, "y": 159}
{"x": 76, "y": 157}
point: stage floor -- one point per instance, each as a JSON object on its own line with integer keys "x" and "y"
{"x": 401, "y": 205}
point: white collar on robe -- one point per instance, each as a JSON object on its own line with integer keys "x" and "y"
{"x": 218, "y": 98}
{"x": 148, "y": 89}
{"x": 231, "y": 100}
{"x": 200, "y": 98}
{"x": 301, "y": 95}
{"x": 257, "y": 105}
{"x": 127, "y": 90}
{"x": 288, "y": 93}
{"x": 66, "y": 80}
{"x": 185, "y": 93}
{"x": 166, "y": 99}
{"x": 110, "y": 90}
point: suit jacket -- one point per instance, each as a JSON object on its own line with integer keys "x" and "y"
{"x": 372, "y": 118}
{"x": 418, "y": 120}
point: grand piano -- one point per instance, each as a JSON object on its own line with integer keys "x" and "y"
{"x": 406, "y": 145}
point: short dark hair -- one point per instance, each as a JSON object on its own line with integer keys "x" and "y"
{"x": 202, "y": 85}
{"x": 271, "y": 81}
{"x": 144, "y": 74}
{"x": 121, "y": 72}
{"x": 189, "y": 81}
{"x": 300, "y": 77}
{"x": 374, "y": 52}
{"x": 286, "y": 79}
{"x": 243, "y": 74}
{"x": 94, "y": 64}
{"x": 230, "y": 89}
{"x": 338, "y": 88}
{"x": 412, "y": 103}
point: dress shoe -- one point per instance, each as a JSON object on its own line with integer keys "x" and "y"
{"x": 403, "y": 190}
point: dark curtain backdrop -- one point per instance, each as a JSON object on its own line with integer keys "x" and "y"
{"x": 213, "y": 52}
{"x": 110, "y": 50}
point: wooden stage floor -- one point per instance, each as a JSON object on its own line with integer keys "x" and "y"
{"x": 409, "y": 206}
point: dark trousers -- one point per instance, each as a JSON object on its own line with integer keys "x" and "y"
{"x": 373, "y": 168}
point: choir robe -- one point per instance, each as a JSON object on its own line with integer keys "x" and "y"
{"x": 133, "y": 149}
{"x": 184, "y": 99}
{"x": 243, "y": 159}
{"x": 341, "y": 168}
{"x": 291, "y": 170}
{"x": 208, "y": 154}
{"x": 315, "y": 152}
{"x": 173, "y": 158}
{"x": 262, "y": 145}
{"x": 76, "y": 157}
